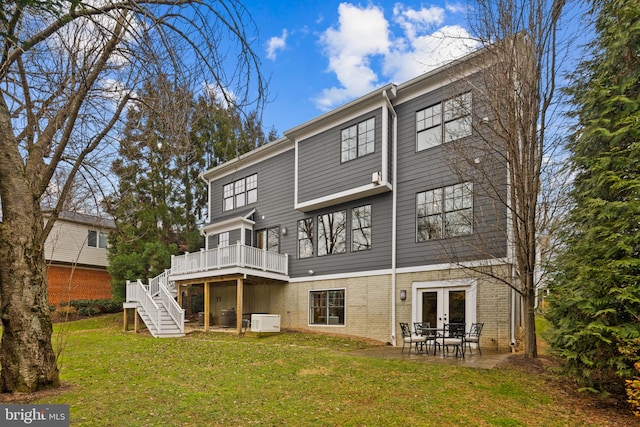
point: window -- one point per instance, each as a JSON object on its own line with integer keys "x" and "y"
{"x": 433, "y": 127}
{"x": 305, "y": 238}
{"x": 326, "y": 307}
{"x": 223, "y": 239}
{"x": 240, "y": 193}
{"x": 332, "y": 233}
{"x": 358, "y": 140}
{"x": 97, "y": 239}
{"x": 268, "y": 239}
{"x": 444, "y": 212}
{"x": 361, "y": 228}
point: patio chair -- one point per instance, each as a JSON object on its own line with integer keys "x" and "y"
{"x": 410, "y": 338}
{"x": 474, "y": 336}
{"x": 423, "y": 329}
{"x": 454, "y": 336}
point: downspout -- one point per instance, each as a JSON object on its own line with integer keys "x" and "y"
{"x": 394, "y": 210}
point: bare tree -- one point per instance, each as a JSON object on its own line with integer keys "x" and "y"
{"x": 513, "y": 113}
{"x": 68, "y": 71}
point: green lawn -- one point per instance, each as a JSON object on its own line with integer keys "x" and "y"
{"x": 205, "y": 379}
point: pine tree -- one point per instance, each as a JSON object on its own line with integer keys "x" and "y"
{"x": 595, "y": 294}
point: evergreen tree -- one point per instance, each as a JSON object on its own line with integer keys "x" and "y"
{"x": 595, "y": 294}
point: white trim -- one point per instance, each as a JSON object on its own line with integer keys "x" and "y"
{"x": 343, "y": 196}
{"x": 470, "y": 286}
{"x": 353, "y": 275}
{"x": 324, "y": 325}
{"x": 229, "y": 224}
{"x": 455, "y": 266}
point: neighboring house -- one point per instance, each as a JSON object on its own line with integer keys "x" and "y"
{"x": 357, "y": 220}
{"x": 76, "y": 256}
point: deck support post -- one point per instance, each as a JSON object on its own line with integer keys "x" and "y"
{"x": 207, "y": 305}
{"x": 239, "y": 310}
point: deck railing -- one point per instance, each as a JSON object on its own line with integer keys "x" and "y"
{"x": 237, "y": 255}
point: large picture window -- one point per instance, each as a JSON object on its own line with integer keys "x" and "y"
{"x": 332, "y": 233}
{"x": 358, "y": 140}
{"x": 361, "y": 228}
{"x": 240, "y": 192}
{"x": 433, "y": 127}
{"x": 444, "y": 212}
{"x": 326, "y": 307}
{"x": 305, "y": 238}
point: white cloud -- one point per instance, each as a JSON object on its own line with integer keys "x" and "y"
{"x": 362, "y": 33}
{"x": 427, "y": 52}
{"x": 414, "y": 22}
{"x": 455, "y": 7}
{"x": 362, "y": 50}
{"x": 275, "y": 44}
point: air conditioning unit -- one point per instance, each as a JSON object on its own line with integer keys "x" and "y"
{"x": 265, "y": 323}
{"x": 376, "y": 178}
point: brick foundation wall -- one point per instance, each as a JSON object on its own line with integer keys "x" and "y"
{"x": 81, "y": 285}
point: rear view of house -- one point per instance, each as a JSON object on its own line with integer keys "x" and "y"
{"x": 364, "y": 217}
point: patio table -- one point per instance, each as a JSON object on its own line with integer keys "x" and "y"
{"x": 433, "y": 333}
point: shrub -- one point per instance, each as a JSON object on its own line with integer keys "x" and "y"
{"x": 633, "y": 392}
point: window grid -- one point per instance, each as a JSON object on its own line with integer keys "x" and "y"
{"x": 239, "y": 193}
{"x": 433, "y": 126}
{"x": 358, "y": 140}
{"x": 444, "y": 212}
{"x": 327, "y": 307}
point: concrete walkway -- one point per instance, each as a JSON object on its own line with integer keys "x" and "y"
{"x": 486, "y": 360}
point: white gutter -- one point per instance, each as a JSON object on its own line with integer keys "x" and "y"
{"x": 394, "y": 220}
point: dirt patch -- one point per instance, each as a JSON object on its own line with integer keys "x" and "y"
{"x": 19, "y": 398}
{"x": 601, "y": 411}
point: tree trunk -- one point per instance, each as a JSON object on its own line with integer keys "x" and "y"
{"x": 26, "y": 353}
{"x": 530, "y": 345}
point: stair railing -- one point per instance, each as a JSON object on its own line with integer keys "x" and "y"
{"x": 143, "y": 296}
{"x": 175, "y": 311}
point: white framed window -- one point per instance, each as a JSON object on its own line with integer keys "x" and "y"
{"x": 327, "y": 307}
{"x": 444, "y": 122}
{"x": 361, "y": 228}
{"x": 358, "y": 140}
{"x": 97, "y": 239}
{"x": 223, "y": 239}
{"x": 444, "y": 212}
{"x": 239, "y": 193}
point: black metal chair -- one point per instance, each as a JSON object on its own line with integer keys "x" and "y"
{"x": 474, "y": 336}
{"x": 424, "y": 329}
{"x": 410, "y": 338}
{"x": 454, "y": 336}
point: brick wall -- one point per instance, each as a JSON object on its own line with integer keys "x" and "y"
{"x": 66, "y": 284}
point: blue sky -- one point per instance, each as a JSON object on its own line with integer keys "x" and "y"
{"x": 320, "y": 55}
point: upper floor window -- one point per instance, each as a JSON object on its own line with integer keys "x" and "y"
{"x": 97, "y": 239}
{"x": 241, "y": 192}
{"x": 361, "y": 228}
{"x": 433, "y": 125}
{"x": 332, "y": 233}
{"x": 358, "y": 140}
{"x": 268, "y": 239}
{"x": 305, "y": 238}
{"x": 223, "y": 239}
{"x": 445, "y": 212}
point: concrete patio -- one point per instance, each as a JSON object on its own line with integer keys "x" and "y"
{"x": 485, "y": 360}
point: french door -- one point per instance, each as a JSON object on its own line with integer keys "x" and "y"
{"x": 444, "y": 304}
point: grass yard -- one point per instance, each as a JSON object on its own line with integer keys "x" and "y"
{"x": 115, "y": 378}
